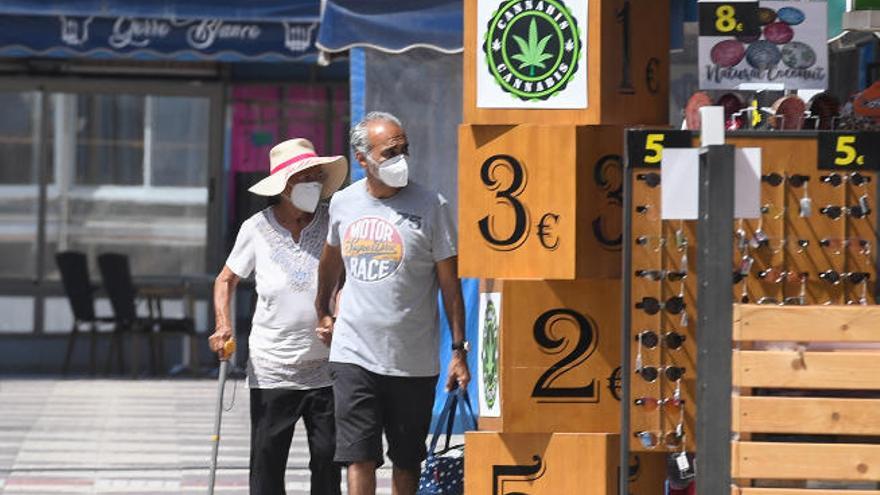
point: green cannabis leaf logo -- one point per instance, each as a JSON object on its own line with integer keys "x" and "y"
{"x": 489, "y": 355}
{"x": 532, "y": 53}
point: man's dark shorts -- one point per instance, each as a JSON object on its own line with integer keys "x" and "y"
{"x": 368, "y": 403}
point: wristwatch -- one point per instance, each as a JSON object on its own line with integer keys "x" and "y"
{"x": 464, "y": 345}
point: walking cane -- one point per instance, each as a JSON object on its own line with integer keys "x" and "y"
{"x": 228, "y": 349}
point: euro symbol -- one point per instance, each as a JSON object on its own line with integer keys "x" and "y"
{"x": 544, "y": 231}
{"x": 651, "y": 75}
{"x": 614, "y": 383}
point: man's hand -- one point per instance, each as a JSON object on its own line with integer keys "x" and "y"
{"x": 218, "y": 339}
{"x": 459, "y": 375}
{"x": 325, "y": 330}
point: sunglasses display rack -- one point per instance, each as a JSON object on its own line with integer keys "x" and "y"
{"x": 813, "y": 245}
{"x": 663, "y": 353}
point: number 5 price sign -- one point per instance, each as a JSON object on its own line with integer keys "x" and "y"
{"x": 852, "y": 150}
{"x": 645, "y": 147}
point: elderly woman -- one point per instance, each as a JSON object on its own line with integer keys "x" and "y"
{"x": 287, "y": 370}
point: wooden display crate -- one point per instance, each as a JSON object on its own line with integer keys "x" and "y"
{"x": 627, "y": 67}
{"x": 554, "y": 464}
{"x": 540, "y": 201}
{"x": 560, "y": 356}
{"x": 824, "y": 383}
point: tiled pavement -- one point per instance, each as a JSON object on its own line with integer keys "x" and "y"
{"x": 129, "y": 437}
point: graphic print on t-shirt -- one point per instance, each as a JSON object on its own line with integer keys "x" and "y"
{"x": 373, "y": 248}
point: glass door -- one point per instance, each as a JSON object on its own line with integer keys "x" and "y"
{"x": 121, "y": 168}
{"x": 21, "y": 144}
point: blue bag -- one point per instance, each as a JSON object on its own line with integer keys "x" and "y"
{"x": 443, "y": 473}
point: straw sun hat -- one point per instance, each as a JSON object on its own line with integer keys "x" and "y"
{"x": 296, "y": 155}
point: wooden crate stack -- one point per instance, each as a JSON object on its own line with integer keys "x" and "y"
{"x": 806, "y": 405}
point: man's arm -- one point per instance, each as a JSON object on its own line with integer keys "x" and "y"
{"x": 450, "y": 288}
{"x": 329, "y": 274}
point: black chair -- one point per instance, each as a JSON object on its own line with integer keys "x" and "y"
{"x": 119, "y": 284}
{"x": 74, "y": 269}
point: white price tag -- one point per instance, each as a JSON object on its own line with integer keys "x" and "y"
{"x": 682, "y": 461}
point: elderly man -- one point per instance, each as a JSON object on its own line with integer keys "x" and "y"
{"x": 397, "y": 244}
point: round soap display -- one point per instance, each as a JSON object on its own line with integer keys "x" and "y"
{"x": 748, "y": 38}
{"x": 727, "y": 53}
{"x": 697, "y": 100}
{"x": 731, "y": 103}
{"x": 766, "y": 16}
{"x": 788, "y": 113}
{"x": 778, "y": 32}
{"x": 763, "y": 55}
{"x": 824, "y": 107}
{"x": 798, "y": 55}
{"x": 791, "y": 15}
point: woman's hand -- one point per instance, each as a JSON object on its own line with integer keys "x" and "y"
{"x": 324, "y": 330}
{"x": 218, "y": 340}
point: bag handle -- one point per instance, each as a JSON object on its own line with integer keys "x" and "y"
{"x": 458, "y": 397}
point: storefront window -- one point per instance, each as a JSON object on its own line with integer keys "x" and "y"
{"x": 178, "y": 141}
{"x": 17, "y": 138}
{"x": 19, "y": 142}
{"x": 109, "y": 139}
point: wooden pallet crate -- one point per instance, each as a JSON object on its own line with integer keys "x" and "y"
{"x": 812, "y": 371}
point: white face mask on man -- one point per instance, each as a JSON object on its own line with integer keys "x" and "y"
{"x": 306, "y": 195}
{"x": 393, "y": 172}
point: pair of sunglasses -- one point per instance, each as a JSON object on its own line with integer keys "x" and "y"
{"x": 651, "y": 179}
{"x": 652, "y": 241}
{"x": 776, "y": 212}
{"x": 835, "y": 277}
{"x": 651, "y": 305}
{"x": 798, "y": 180}
{"x": 652, "y": 403}
{"x": 651, "y": 439}
{"x": 779, "y": 275}
{"x": 648, "y": 211}
{"x": 657, "y": 275}
{"x": 854, "y": 178}
{"x": 671, "y": 340}
{"x": 836, "y": 212}
{"x": 775, "y": 179}
{"x": 858, "y": 246}
{"x": 651, "y": 373}
{"x": 788, "y": 301}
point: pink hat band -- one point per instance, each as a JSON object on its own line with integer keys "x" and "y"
{"x": 287, "y": 163}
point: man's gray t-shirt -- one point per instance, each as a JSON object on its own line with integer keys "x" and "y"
{"x": 388, "y": 316}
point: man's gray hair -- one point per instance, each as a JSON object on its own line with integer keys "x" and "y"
{"x": 358, "y": 136}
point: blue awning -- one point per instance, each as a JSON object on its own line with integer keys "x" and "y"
{"x": 190, "y": 30}
{"x": 392, "y": 25}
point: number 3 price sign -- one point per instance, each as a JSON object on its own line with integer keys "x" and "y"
{"x": 539, "y": 202}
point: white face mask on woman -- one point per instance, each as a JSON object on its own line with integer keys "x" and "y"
{"x": 393, "y": 172}
{"x": 306, "y": 195}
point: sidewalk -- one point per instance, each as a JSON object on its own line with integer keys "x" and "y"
{"x": 130, "y": 437}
